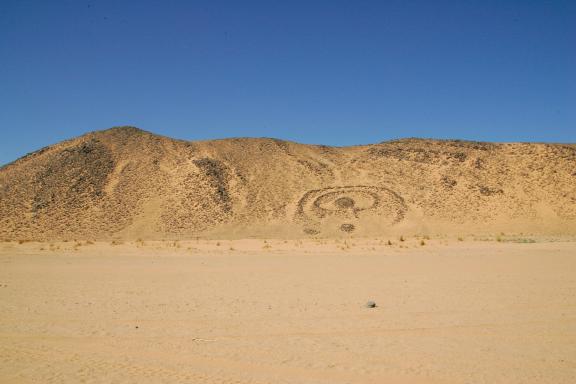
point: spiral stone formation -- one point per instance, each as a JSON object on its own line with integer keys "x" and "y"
{"x": 348, "y": 205}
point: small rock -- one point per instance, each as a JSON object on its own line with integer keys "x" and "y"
{"x": 370, "y": 304}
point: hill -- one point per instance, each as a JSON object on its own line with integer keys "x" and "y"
{"x": 127, "y": 183}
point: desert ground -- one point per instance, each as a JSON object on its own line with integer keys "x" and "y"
{"x": 468, "y": 310}
{"x": 174, "y": 282}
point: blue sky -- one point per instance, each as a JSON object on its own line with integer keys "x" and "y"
{"x": 331, "y": 72}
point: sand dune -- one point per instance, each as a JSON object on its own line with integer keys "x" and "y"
{"x": 127, "y": 183}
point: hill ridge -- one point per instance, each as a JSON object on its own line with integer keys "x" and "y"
{"x": 125, "y": 182}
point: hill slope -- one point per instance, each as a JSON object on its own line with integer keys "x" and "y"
{"x": 128, "y": 183}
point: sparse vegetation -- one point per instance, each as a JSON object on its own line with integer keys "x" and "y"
{"x": 524, "y": 241}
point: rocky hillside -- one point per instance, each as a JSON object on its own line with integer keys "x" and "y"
{"x": 128, "y": 183}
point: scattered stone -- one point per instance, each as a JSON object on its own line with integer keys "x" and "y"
{"x": 347, "y": 227}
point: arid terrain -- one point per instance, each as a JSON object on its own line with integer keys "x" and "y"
{"x": 128, "y": 257}
{"x": 125, "y": 183}
{"x": 289, "y": 311}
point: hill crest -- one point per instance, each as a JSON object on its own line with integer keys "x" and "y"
{"x": 129, "y": 183}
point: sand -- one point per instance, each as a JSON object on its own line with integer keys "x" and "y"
{"x": 172, "y": 282}
{"x": 249, "y": 311}
{"x": 125, "y": 183}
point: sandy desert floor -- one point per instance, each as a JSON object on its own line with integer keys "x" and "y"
{"x": 288, "y": 312}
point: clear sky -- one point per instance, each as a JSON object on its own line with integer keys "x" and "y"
{"x": 331, "y": 72}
